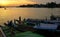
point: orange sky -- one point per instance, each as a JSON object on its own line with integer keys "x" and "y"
{"x": 19, "y": 2}
{"x": 14, "y": 2}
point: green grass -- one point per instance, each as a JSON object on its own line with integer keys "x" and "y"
{"x": 28, "y": 34}
{"x": 21, "y": 34}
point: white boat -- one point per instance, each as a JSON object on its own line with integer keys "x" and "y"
{"x": 50, "y": 25}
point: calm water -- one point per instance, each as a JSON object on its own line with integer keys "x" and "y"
{"x": 35, "y": 13}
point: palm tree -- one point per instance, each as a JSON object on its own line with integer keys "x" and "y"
{"x": 9, "y": 24}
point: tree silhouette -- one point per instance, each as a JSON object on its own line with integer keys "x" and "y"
{"x": 51, "y": 5}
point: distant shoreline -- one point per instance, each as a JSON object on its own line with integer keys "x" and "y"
{"x": 28, "y": 7}
{"x": 36, "y": 7}
{"x": 47, "y": 5}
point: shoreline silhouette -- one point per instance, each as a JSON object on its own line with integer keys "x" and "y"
{"x": 47, "y": 5}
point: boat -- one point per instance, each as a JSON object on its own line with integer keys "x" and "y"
{"x": 4, "y": 8}
{"x": 49, "y": 28}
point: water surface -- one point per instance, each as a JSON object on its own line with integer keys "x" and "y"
{"x": 35, "y": 13}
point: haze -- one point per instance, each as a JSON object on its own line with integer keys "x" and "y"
{"x": 20, "y": 2}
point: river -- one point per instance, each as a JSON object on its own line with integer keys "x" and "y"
{"x": 35, "y": 13}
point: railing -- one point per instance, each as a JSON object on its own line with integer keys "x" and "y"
{"x": 2, "y": 34}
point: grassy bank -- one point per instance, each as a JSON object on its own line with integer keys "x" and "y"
{"x": 20, "y": 34}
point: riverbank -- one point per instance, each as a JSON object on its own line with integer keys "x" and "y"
{"x": 21, "y": 34}
{"x": 45, "y": 27}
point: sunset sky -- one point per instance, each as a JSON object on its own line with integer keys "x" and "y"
{"x": 19, "y": 2}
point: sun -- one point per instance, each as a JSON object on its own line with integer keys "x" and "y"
{"x": 3, "y": 2}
